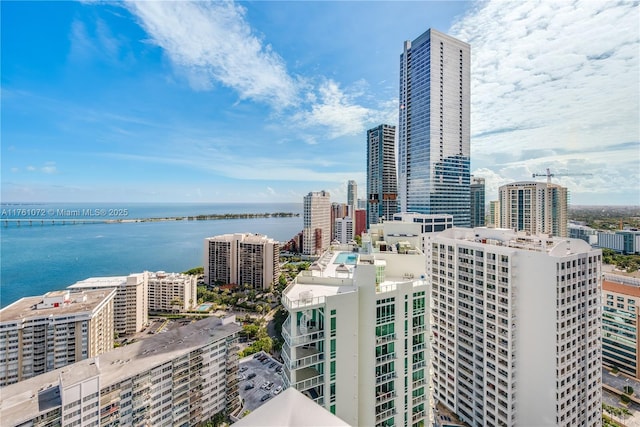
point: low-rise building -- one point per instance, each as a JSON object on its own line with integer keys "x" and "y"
{"x": 40, "y": 334}
{"x": 181, "y": 377}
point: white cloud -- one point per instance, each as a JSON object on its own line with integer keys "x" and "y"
{"x": 213, "y": 43}
{"x": 335, "y": 111}
{"x": 31, "y": 168}
{"x": 555, "y": 84}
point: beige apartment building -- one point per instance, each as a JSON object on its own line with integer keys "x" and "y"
{"x": 316, "y": 234}
{"x": 131, "y": 309}
{"x": 242, "y": 259}
{"x": 534, "y": 207}
{"x": 172, "y": 292}
{"x": 182, "y": 378}
{"x": 40, "y": 334}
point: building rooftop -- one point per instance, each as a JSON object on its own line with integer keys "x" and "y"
{"x": 335, "y": 272}
{"x": 113, "y": 366}
{"x": 100, "y": 282}
{"x": 242, "y": 237}
{"x": 291, "y": 409}
{"x": 553, "y": 246}
{"x": 25, "y": 308}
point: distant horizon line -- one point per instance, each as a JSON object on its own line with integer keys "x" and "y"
{"x": 248, "y": 202}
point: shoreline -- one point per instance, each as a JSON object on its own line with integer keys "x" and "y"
{"x": 102, "y": 220}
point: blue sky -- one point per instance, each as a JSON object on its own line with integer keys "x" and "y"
{"x": 266, "y": 101}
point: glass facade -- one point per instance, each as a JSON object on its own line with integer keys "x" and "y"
{"x": 382, "y": 182}
{"x": 433, "y": 137}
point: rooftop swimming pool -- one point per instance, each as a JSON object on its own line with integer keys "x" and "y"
{"x": 346, "y": 258}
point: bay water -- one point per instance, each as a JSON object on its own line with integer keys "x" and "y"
{"x": 42, "y": 257}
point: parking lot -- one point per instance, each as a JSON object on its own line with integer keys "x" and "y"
{"x": 260, "y": 373}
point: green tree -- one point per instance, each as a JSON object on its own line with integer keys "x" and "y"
{"x": 196, "y": 271}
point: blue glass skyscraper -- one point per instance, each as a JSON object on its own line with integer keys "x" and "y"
{"x": 433, "y": 128}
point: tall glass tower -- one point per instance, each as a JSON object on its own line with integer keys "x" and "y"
{"x": 382, "y": 185}
{"x": 433, "y": 131}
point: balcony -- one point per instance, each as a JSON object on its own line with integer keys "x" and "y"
{"x": 386, "y": 338}
{"x": 418, "y": 365}
{"x": 385, "y": 415}
{"x": 386, "y": 377}
{"x": 291, "y": 305}
{"x": 421, "y": 328}
{"x": 312, "y": 335}
{"x": 385, "y": 358}
{"x": 385, "y": 397}
{"x": 418, "y": 383}
{"x": 306, "y": 358}
{"x": 307, "y": 378}
{"x": 419, "y": 399}
{"x": 418, "y": 347}
{"x": 418, "y": 415}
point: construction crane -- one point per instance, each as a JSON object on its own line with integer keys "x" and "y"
{"x": 548, "y": 174}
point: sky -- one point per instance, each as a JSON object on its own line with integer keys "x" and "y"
{"x": 265, "y": 101}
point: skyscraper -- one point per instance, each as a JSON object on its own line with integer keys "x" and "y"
{"x": 477, "y": 202}
{"x": 317, "y": 222}
{"x": 357, "y": 337}
{"x": 352, "y": 195}
{"x": 535, "y": 207}
{"x": 382, "y": 184}
{"x": 517, "y": 328}
{"x": 433, "y": 139}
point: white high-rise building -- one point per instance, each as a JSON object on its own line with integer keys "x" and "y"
{"x": 534, "y": 207}
{"x": 182, "y": 377}
{"x": 131, "y": 305}
{"x": 40, "y": 334}
{"x": 434, "y": 127}
{"x": 344, "y": 229}
{"x": 316, "y": 234}
{"x": 173, "y": 292}
{"x": 516, "y": 328}
{"x": 243, "y": 259}
{"x": 357, "y": 335}
{"x": 352, "y": 195}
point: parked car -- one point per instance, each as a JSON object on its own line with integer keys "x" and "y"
{"x": 244, "y": 368}
{"x": 279, "y": 369}
{"x": 251, "y": 375}
{"x": 249, "y": 386}
{"x": 257, "y": 355}
{"x": 272, "y": 364}
{"x": 270, "y": 386}
{"x": 265, "y": 397}
{"x": 277, "y": 390}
